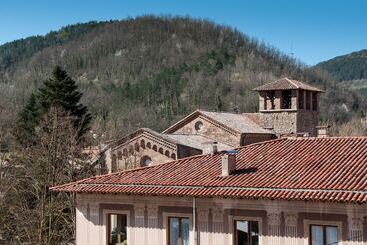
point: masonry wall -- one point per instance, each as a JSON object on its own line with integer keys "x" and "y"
{"x": 255, "y": 138}
{"x": 280, "y": 222}
{"x": 281, "y": 121}
{"x": 211, "y": 130}
{"x": 129, "y": 154}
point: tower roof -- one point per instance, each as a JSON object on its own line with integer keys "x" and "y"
{"x": 286, "y": 84}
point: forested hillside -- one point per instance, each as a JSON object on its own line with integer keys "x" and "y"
{"x": 352, "y": 66}
{"x": 149, "y": 71}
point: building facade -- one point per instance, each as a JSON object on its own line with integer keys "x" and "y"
{"x": 286, "y": 191}
{"x": 286, "y": 107}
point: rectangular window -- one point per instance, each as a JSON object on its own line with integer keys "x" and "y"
{"x": 270, "y": 100}
{"x": 246, "y": 232}
{"x": 314, "y": 101}
{"x": 301, "y": 99}
{"x": 308, "y": 100}
{"x": 286, "y": 99}
{"x": 179, "y": 230}
{"x": 324, "y": 235}
{"x": 117, "y": 229}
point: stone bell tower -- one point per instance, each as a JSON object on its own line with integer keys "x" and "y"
{"x": 289, "y": 107}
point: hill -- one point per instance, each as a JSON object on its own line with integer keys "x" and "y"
{"x": 352, "y": 66}
{"x": 150, "y": 71}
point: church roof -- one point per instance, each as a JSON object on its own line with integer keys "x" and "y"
{"x": 199, "y": 142}
{"x": 286, "y": 84}
{"x": 241, "y": 123}
{"x": 304, "y": 169}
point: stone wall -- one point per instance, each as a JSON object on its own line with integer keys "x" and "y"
{"x": 211, "y": 130}
{"x": 307, "y": 121}
{"x": 255, "y": 138}
{"x": 281, "y": 121}
{"x": 129, "y": 154}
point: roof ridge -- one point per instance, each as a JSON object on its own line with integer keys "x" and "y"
{"x": 291, "y": 81}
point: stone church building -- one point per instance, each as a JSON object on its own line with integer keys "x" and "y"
{"x": 286, "y": 107}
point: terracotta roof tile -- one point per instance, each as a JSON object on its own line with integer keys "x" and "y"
{"x": 309, "y": 169}
{"x": 285, "y": 84}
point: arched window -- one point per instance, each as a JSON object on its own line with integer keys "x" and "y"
{"x": 149, "y": 145}
{"x": 166, "y": 153}
{"x": 119, "y": 155}
{"x": 113, "y": 164}
{"x": 145, "y": 161}
{"x": 142, "y": 144}
{"x": 124, "y": 152}
{"x": 154, "y": 148}
{"x": 131, "y": 149}
{"x": 136, "y": 146}
{"x": 173, "y": 156}
{"x": 160, "y": 150}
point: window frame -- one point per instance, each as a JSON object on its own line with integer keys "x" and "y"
{"x": 289, "y": 105}
{"x": 233, "y": 219}
{"x": 179, "y": 227}
{"x": 166, "y": 225}
{"x": 323, "y": 232}
{"x": 106, "y": 213}
{"x": 307, "y": 231}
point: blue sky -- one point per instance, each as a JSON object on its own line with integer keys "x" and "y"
{"x": 314, "y": 30}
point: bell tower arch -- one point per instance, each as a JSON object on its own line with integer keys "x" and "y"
{"x": 289, "y": 107}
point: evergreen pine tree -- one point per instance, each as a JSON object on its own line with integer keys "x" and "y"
{"x": 27, "y": 121}
{"x": 61, "y": 90}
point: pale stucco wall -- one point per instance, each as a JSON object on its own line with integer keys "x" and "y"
{"x": 280, "y": 222}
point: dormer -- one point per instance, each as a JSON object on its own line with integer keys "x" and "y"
{"x": 289, "y": 106}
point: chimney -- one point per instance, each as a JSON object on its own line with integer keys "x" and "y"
{"x": 215, "y": 147}
{"x": 323, "y": 131}
{"x": 229, "y": 163}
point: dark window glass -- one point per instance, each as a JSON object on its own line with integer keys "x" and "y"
{"x": 301, "y": 99}
{"x": 117, "y": 229}
{"x": 179, "y": 230}
{"x": 270, "y": 100}
{"x": 286, "y": 99}
{"x": 308, "y": 100}
{"x": 246, "y": 232}
{"x": 314, "y": 101}
{"x": 324, "y": 235}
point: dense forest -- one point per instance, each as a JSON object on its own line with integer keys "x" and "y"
{"x": 352, "y": 66}
{"x": 149, "y": 71}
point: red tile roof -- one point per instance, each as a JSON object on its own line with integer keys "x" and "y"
{"x": 309, "y": 169}
{"x": 285, "y": 84}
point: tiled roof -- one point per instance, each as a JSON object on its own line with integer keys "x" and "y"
{"x": 241, "y": 123}
{"x": 197, "y": 141}
{"x": 285, "y": 84}
{"x": 308, "y": 169}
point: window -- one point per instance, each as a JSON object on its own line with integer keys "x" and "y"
{"x": 324, "y": 235}
{"x": 246, "y": 232}
{"x": 199, "y": 125}
{"x": 145, "y": 161}
{"x": 314, "y": 101}
{"x": 286, "y": 99}
{"x": 117, "y": 229}
{"x": 270, "y": 97}
{"x": 179, "y": 230}
{"x": 308, "y": 100}
{"x": 301, "y": 99}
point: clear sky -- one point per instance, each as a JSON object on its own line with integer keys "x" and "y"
{"x": 314, "y": 30}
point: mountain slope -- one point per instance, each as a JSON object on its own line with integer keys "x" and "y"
{"x": 352, "y": 66}
{"x": 150, "y": 71}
